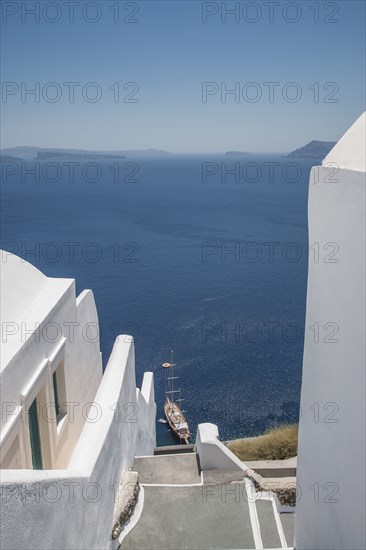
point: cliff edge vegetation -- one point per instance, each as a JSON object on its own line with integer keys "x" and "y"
{"x": 275, "y": 444}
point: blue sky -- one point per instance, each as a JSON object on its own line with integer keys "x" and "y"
{"x": 169, "y": 52}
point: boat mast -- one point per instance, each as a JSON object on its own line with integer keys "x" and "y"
{"x": 172, "y": 375}
{"x": 165, "y": 383}
{"x": 169, "y": 384}
{"x": 180, "y": 398}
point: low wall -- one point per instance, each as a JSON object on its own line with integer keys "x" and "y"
{"x": 274, "y": 468}
{"x": 212, "y": 453}
{"x": 73, "y": 508}
{"x": 146, "y": 436}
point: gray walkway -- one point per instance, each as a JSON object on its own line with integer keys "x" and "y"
{"x": 222, "y": 476}
{"x": 269, "y": 533}
{"x": 190, "y": 515}
{"x": 184, "y": 518}
{"x": 169, "y": 469}
{"x": 288, "y": 524}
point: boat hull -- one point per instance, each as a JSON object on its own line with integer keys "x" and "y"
{"x": 177, "y": 421}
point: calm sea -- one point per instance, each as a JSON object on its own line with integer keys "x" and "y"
{"x": 203, "y": 255}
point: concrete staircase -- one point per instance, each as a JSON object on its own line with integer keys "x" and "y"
{"x": 183, "y": 507}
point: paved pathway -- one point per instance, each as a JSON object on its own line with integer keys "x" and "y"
{"x": 184, "y": 510}
{"x": 168, "y": 469}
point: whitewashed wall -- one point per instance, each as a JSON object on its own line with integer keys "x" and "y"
{"x": 146, "y": 435}
{"x": 70, "y": 504}
{"x": 56, "y": 328}
{"x": 330, "y": 512}
{"x": 73, "y": 508}
{"x": 213, "y": 454}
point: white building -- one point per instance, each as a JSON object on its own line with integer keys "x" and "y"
{"x": 330, "y": 512}
{"x": 67, "y": 432}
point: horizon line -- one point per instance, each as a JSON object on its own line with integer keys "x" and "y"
{"x": 157, "y": 150}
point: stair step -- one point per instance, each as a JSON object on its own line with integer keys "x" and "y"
{"x": 173, "y": 449}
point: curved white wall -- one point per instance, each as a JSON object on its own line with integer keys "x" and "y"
{"x": 330, "y": 512}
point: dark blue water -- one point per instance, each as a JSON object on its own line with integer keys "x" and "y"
{"x": 215, "y": 270}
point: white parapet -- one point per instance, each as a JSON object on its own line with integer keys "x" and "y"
{"x": 145, "y": 398}
{"x": 213, "y": 454}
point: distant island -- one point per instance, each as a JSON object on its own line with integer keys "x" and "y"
{"x": 45, "y": 153}
{"x": 8, "y": 158}
{"x": 48, "y": 155}
{"x": 314, "y": 149}
{"x": 236, "y": 154}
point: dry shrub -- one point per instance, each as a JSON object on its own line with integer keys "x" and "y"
{"x": 276, "y": 444}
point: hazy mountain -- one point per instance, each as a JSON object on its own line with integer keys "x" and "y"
{"x": 51, "y": 155}
{"x": 236, "y": 154}
{"x": 313, "y": 149}
{"x": 8, "y": 158}
{"x": 30, "y": 153}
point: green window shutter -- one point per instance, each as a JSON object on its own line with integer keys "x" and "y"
{"x": 57, "y": 402}
{"x": 35, "y": 438}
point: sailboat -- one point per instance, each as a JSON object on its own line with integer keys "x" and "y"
{"x": 172, "y": 409}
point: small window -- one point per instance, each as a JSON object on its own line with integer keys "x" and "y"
{"x": 35, "y": 437}
{"x": 58, "y": 391}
